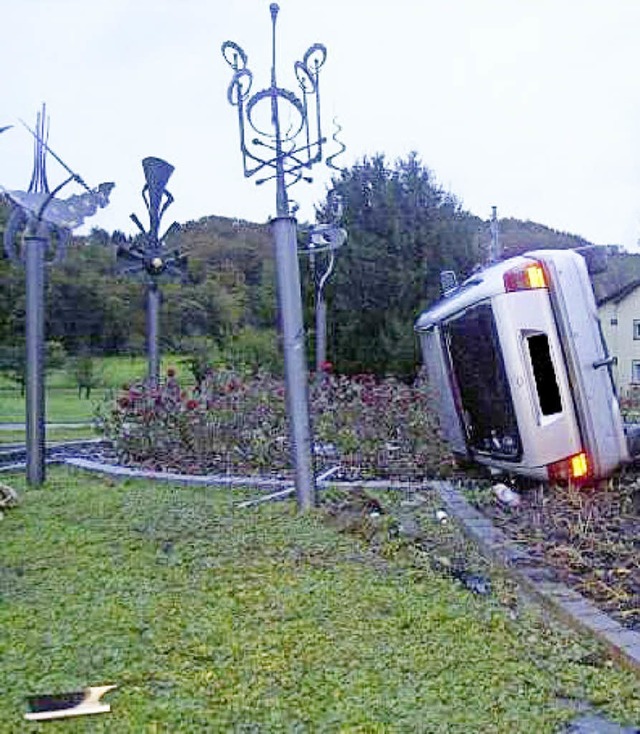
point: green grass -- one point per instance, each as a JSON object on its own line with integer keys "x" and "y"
{"x": 62, "y": 402}
{"x": 62, "y": 406}
{"x": 212, "y": 618}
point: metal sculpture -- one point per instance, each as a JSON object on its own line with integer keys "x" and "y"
{"x": 39, "y": 226}
{"x": 323, "y": 242}
{"x": 284, "y": 155}
{"x": 147, "y": 255}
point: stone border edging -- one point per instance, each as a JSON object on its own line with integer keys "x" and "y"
{"x": 568, "y": 604}
{"x": 233, "y": 480}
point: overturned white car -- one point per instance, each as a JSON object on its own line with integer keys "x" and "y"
{"x": 521, "y": 372}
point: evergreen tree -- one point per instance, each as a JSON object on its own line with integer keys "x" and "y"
{"x": 403, "y": 230}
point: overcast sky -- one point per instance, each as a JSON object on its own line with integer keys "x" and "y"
{"x": 529, "y": 105}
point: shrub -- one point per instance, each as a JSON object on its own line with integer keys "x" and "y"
{"x": 371, "y": 427}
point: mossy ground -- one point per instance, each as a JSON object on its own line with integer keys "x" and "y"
{"x": 209, "y": 617}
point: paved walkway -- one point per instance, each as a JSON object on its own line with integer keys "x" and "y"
{"x": 23, "y": 427}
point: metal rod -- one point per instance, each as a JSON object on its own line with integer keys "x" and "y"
{"x": 495, "y": 253}
{"x": 296, "y": 388}
{"x": 153, "y": 318}
{"x": 320, "y": 479}
{"x": 75, "y": 176}
{"x": 321, "y": 333}
{"x": 35, "y": 245}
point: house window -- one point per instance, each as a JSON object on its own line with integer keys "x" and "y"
{"x": 635, "y": 371}
{"x": 614, "y": 322}
{"x": 636, "y": 328}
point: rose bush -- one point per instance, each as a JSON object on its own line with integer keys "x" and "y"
{"x": 372, "y": 427}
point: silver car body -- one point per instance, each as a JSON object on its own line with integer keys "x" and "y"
{"x": 522, "y": 374}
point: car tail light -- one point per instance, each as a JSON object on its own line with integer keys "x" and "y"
{"x": 574, "y": 468}
{"x": 525, "y": 277}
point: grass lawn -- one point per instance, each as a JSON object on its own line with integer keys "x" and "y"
{"x": 62, "y": 406}
{"x": 62, "y": 402}
{"x": 217, "y": 619}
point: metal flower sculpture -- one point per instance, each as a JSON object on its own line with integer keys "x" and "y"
{"x": 39, "y": 226}
{"x": 284, "y": 153}
{"x": 323, "y": 242}
{"x": 146, "y": 255}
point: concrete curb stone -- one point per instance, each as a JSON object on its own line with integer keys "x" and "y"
{"x": 572, "y": 607}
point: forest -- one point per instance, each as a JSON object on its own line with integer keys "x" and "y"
{"x": 403, "y": 230}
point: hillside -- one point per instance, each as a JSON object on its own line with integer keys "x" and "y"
{"x": 517, "y": 236}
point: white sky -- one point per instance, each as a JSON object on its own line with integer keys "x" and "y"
{"x": 531, "y": 105}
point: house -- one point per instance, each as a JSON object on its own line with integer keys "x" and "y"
{"x": 617, "y": 293}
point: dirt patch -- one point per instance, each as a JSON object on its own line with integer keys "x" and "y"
{"x": 589, "y": 536}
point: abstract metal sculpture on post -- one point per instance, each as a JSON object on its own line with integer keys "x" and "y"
{"x": 147, "y": 256}
{"x": 284, "y": 155}
{"x": 324, "y": 240}
{"x": 40, "y": 225}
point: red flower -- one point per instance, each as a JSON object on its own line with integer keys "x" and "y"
{"x": 326, "y": 366}
{"x": 192, "y": 404}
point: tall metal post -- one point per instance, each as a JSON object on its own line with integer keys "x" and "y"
{"x": 293, "y": 344}
{"x": 35, "y": 245}
{"x": 321, "y": 331}
{"x": 495, "y": 252}
{"x": 153, "y": 330}
{"x": 284, "y": 154}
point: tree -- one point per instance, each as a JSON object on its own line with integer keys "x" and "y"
{"x": 85, "y": 372}
{"x": 403, "y": 230}
{"x": 13, "y": 360}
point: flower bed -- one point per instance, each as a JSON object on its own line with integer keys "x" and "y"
{"x": 231, "y": 423}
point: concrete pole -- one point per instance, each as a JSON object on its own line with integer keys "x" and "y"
{"x": 153, "y": 320}
{"x": 35, "y": 245}
{"x": 295, "y": 367}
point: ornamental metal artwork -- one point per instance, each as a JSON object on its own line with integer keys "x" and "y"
{"x": 329, "y": 236}
{"x": 283, "y": 154}
{"x": 146, "y": 255}
{"x": 38, "y": 208}
{"x": 37, "y": 232}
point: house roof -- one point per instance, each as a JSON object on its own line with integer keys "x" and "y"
{"x": 621, "y": 277}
